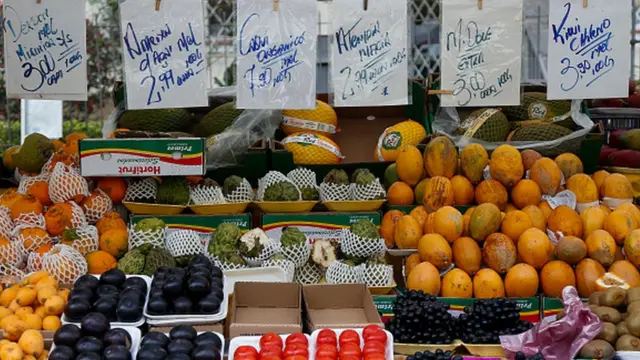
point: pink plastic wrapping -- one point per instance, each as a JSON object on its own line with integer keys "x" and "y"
{"x": 561, "y": 339}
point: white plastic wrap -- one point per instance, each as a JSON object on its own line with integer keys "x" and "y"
{"x": 273, "y": 177}
{"x": 87, "y": 240}
{"x": 10, "y": 274}
{"x": 34, "y": 262}
{"x": 340, "y": 273}
{"x": 27, "y": 181}
{"x": 353, "y": 245}
{"x": 30, "y": 219}
{"x": 30, "y": 242}
{"x": 66, "y": 184}
{"x": 12, "y": 254}
{"x": 368, "y": 76}
{"x": 566, "y": 198}
{"x": 303, "y": 178}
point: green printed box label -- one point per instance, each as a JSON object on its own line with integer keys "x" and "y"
{"x": 142, "y": 157}
{"x": 552, "y": 306}
{"x": 315, "y": 225}
{"x": 199, "y": 223}
{"x": 384, "y": 304}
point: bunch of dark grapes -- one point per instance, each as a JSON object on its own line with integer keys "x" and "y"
{"x": 437, "y": 355}
{"x": 521, "y": 356}
{"x": 487, "y": 320}
{"x": 420, "y": 319}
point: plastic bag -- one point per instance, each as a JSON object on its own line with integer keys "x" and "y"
{"x": 561, "y": 339}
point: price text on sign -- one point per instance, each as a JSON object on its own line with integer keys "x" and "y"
{"x": 45, "y": 49}
{"x": 481, "y": 52}
{"x": 276, "y": 53}
{"x": 164, "y": 54}
{"x": 588, "y": 49}
{"x": 369, "y": 53}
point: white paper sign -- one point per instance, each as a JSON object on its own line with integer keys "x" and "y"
{"x": 369, "y": 53}
{"x": 481, "y": 52}
{"x": 164, "y": 53}
{"x": 588, "y": 54}
{"x": 45, "y": 49}
{"x": 276, "y": 54}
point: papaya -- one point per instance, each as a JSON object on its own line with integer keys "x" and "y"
{"x": 569, "y": 164}
{"x": 535, "y": 248}
{"x": 441, "y": 157}
{"x": 492, "y": 191}
{"x": 485, "y": 220}
{"x": 388, "y": 227}
{"x": 473, "y": 160}
{"x": 587, "y": 272}
{"x": 467, "y": 255}
{"x": 506, "y": 165}
{"x": 499, "y": 253}
{"x": 407, "y": 232}
{"x": 409, "y": 164}
{"x": 547, "y": 174}
{"x": 438, "y": 192}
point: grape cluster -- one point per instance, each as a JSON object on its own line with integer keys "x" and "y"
{"x": 420, "y": 319}
{"x": 521, "y": 356}
{"x": 437, "y": 355}
{"x": 487, "y": 320}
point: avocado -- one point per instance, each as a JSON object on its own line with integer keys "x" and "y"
{"x": 183, "y": 305}
{"x": 88, "y": 356}
{"x": 129, "y": 309}
{"x": 106, "y": 290}
{"x": 107, "y": 307}
{"x": 198, "y": 286}
{"x": 81, "y": 293}
{"x": 157, "y": 305}
{"x": 136, "y": 282}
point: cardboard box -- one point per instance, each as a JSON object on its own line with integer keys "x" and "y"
{"x": 260, "y": 308}
{"x": 339, "y": 306}
{"x": 327, "y": 225}
{"x": 215, "y": 327}
{"x": 142, "y": 157}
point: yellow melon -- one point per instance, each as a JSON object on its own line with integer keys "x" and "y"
{"x": 570, "y": 164}
{"x": 393, "y": 138}
{"x": 592, "y": 219}
{"x": 546, "y": 173}
{"x": 438, "y": 192}
{"x": 620, "y": 224}
{"x": 419, "y": 191}
{"x": 427, "y": 228}
{"x": 441, "y": 157}
{"x": 420, "y": 214}
{"x": 492, "y": 191}
{"x": 535, "y": 248}
{"x": 506, "y": 165}
{"x": 308, "y": 148}
{"x": 457, "y": 284}
{"x": 463, "y": 193}
{"x": 525, "y": 193}
{"x": 630, "y": 208}
{"x": 388, "y": 227}
{"x": 322, "y": 120}
{"x": 425, "y": 277}
{"x": 473, "y": 160}
{"x": 409, "y": 164}
{"x": 449, "y": 223}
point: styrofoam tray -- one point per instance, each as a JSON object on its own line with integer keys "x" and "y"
{"x": 199, "y": 332}
{"x": 388, "y": 346}
{"x": 628, "y": 355}
{"x": 254, "y": 341}
{"x": 135, "y": 339}
{"x": 191, "y": 319}
{"x": 262, "y": 274}
{"x": 140, "y": 322}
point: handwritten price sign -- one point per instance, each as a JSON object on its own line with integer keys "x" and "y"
{"x": 276, "y": 54}
{"x": 589, "y": 49}
{"x": 164, "y": 54}
{"x": 45, "y": 49}
{"x": 369, "y": 53}
{"x": 481, "y": 52}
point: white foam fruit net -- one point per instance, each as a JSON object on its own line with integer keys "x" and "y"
{"x": 138, "y": 238}
{"x": 99, "y": 205}
{"x": 270, "y": 249}
{"x": 66, "y": 183}
{"x": 334, "y": 192}
{"x": 64, "y": 263}
{"x": 86, "y": 239}
{"x": 141, "y": 189}
{"x": 29, "y": 219}
{"x": 243, "y": 193}
{"x": 11, "y": 254}
{"x": 10, "y": 274}
{"x": 34, "y": 262}
{"x": 206, "y": 195}
{"x": 378, "y": 275}
{"x": 370, "y": 191}
{"x": 354, "y": 245}
{"x": 6, "y": 224}
{"x": 298, "y": 254}
{"x": 273, "y": 177}
{"x": 30, "y": 240}
{"x": 183, "y": 243}
{"x": 341, "y": 273}
{"x": 286, "y": 265}
{"x": 78, "y": 217}
{"x": 303, "y": 177}
{"x": 226, "y": 266}
{"x": 27, "y": 181}
{"x": 308, "y": 274}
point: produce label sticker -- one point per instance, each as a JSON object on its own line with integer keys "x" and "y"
{"x": 369, "y": 53}
{"x": 276, "y": 52}
{"x": 148, "y": 157}
{"x": 588, "y": 55}
{"x": 45, "y": 49}
{"x": 164, "y": 54}
{"x": 481, "y": 52}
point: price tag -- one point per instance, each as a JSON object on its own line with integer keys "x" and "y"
{"x": 588, "y": 55}
{"x": 164, "y": 53}
{"x": 369, "y": 53}
{"x": 276, "y": 54}
{"x": 481, "y": 52}
{"x": 45, "y": 49}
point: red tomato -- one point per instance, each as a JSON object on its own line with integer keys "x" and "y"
{"x": 373, "y": 347}
{"x": 349, "y": 336}
{"x": 271, "y": 339}
{"x": 327, "y": 350}
{"x": 375, "y": 357}
{"x": 324, "y": 358}
{"x": 296, "y": 357}
{"x": 350, "y": 357}
{"x": 369, "y": 329}
{"x": 327, "y": 332}
{"x": 376, "y": 335}
{"x": 350, "y": 349}
{"x": 271, "y": 357}
{"x": 245, "y": 351}
{"x": 270, "y": 350}
{"x": 296, "y": 349}
{"x": 245, "y": 357}
{"x": 327, "y": 340}
{"x": 298, "y": 338}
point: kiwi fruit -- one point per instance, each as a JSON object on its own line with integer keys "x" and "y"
{"x": 633, "y": 306}
{"x": 594, "y": 298}
{"x": 593, "y": 306}
{"x": 628, "y": 343}
{"x": 613, "y": 297}
{"x": 633, "y": 324}
{"x": 608, "y": 333}
{"x": 607, "y": 314}
{"x": 624, "y": 316}
{"x": 633, "y": 295}
{"x": 622, "y": 329}
{"x": 597, "y": 349}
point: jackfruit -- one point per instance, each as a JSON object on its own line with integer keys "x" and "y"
{"x": 534, "y": 105}
{"x": 155, "y": 120}
{"x": 173, "y": 191}
{"x": 34, "y": 153}
{"x": 217, "y": 120}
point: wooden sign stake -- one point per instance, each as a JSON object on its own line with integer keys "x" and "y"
{"x": 38, "y": 1}
{"x": 275, "y": 5}
{"x": 158, "y": 5}
{"x": 585, "y": 3}
{"x": 440, "y": 92}
{"x": 480, "y": 4}
{"x": 365, "y": 4}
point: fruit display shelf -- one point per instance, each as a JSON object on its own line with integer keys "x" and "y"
{"x": 60, "y": 339}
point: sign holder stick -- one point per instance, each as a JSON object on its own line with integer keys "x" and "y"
{"x": 365, "y": 4}
{"x": 480, "y": 4}
{"x": 158, "y": 5}
{"x": 275, "y": 5}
